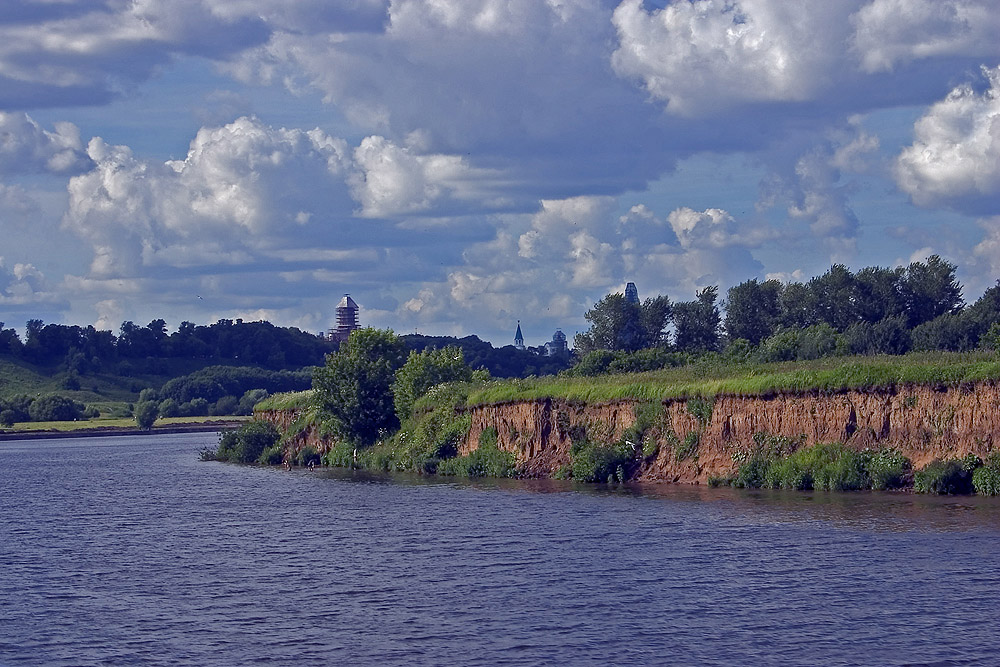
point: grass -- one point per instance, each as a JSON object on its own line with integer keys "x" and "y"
{"x": 707, "y": 380}
{"x": 86, "y": 424}
{"x": 291, "y": 400}
{"x": 107, "y": 391}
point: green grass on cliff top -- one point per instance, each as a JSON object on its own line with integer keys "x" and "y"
{"x": 291, "y": 400}
{"x": 708, "y": 379}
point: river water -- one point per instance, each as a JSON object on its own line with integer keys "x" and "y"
{"x": 129, "y": 550}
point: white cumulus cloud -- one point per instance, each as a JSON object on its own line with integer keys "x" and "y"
{"x": 893, "y": 32}
{"x": 239, "y": 185}
{"x": 703, "y": 57}
{"x": 26, "y": 147}
{"x": 954, "y": 160}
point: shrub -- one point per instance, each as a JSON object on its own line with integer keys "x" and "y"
{"x": 688, "y": 447}
{"x": 250, "y": 398}
{"x": 888, "y": 469}
{"x": 752, "y": 473}
{"x": 145, "y": 414}
{"x": 951, "y": 477}
{"x": 55, "y": 408}
{"x": 595, "y": 362}
{"x": 825, "y": 466}
{"x": 650, "y": 447}
{"x": 986, "y": 478}
{"x": 247, "y": 443}
{"x": 169, "y": 408}
{"x": 579, "y": 438}
{"x": 642, "y": 433}
{"x": 434, "y": 431}
{"x": 307, "y": 455}
{"x": 227, "y": 405}
{"x": 488, "y": 438}
{"x": 272, "y": 456}
{"x": 701, "y": 409}
{"x": 486, "y": 461}
{"x": 599, "y": 463}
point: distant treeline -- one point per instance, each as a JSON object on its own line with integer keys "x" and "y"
{"x": 876, "y": 310}
{"x": 222, "y": 390}
{"x": 137, "y": 350}
{"x": 85, "y": 350}
{"x": 501, "y": 362}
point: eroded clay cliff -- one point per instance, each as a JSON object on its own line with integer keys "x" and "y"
{"x": 922, "y": 422}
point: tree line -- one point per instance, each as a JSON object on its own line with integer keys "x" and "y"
{"x": 876, "y": 310}
{"x": 86, "y": 350}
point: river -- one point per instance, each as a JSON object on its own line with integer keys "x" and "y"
{"x": 128, "y": 550}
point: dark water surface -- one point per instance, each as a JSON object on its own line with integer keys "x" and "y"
{"x": 129, "y": 551}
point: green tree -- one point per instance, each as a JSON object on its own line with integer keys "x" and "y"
{"x": 617, "y": 325}
{"x": 146, "y": 413}
{"x": 355, "y": 385}
{"x": 798, "y": 306}
{"x": 752, "y": 310}
{"x": 878, "y": 294}
{"x": 833, "y": 297}
{"x": 55, "y": 408}
{"x": 424, "y": 370}
{"x": 697, "y": 322}
{"x": 930, "y": 290}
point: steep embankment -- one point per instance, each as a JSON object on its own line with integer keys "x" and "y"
{"x": 923, "y": 422}
{"x": 694, "y": 422}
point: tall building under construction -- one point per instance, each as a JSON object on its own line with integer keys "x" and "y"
{"x": 347, "y": 319}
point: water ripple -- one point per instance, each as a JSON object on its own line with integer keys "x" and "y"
{"x": 129, "y": 551}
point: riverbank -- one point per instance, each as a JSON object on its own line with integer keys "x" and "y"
{"x": 693, "y": 425}
{"x": 82, "y": 431}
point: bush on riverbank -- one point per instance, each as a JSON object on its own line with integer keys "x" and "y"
{"x": 486, "y": 461}
{"x": 246, "y": 444}
{"x": 986, "y": 478}
{"x": 824, "y": 466}
{"x": 950, "y": 477}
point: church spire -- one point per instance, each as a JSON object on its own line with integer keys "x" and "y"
{"x": 518, "y": 338}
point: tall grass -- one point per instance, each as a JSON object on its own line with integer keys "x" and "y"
{"x": 708, "y": 379}
{"x": 291, "y": 400}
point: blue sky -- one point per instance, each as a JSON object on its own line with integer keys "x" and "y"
{"x": 457, "y": 165}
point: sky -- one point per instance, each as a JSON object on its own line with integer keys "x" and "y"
{"x": 459, "y": 165}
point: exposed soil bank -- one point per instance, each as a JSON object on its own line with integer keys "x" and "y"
{"x": 922, "y": 422}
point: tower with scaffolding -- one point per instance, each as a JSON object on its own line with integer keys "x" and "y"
{"x": 347, "y": 319}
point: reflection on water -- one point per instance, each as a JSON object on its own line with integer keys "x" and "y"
{"x": 128, "y": 551}
{"x": 875, "y": 511}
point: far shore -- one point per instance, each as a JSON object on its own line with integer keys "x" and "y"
{"x": 83, "y": 430}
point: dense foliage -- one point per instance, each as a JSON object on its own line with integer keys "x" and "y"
{"x": 355, "y": 385}
{"x": 502, "y": 362}
{"x": 874, "y": 311}
{"x": 424, "y": 370}
{"x": 52, "y": 407}
{"x": 775, "y": 464}
{"x": 246, "y": 444}
{"x": 86, "y": 350}
{"x": 619, "y": 325}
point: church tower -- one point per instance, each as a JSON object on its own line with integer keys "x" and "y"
{"x": 518, "y": 338}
